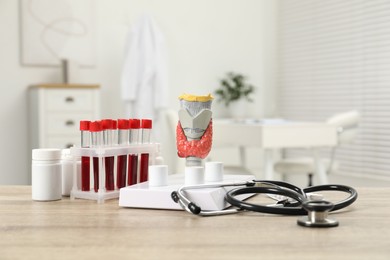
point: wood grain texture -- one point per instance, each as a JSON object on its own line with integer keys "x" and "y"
{"x": 65, "y": 85}
{"x": 82, "y": 229}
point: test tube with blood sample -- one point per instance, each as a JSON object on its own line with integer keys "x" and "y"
{"x": 146, "y": 125}
{"x": 132, "y": 163}
{"x": 109, "y": 129}
{"x": 95, "y": 128}
{"x": 123, "y": 139}
{"x": 85, "y": 160}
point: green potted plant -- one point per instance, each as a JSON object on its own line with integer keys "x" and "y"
{"x": 233, "y": 88}
{"x": 235, "y": 92}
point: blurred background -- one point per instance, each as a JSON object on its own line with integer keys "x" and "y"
{"x": 307, "y": 59}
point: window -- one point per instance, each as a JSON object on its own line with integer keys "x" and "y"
{"x": 334, "y": 57}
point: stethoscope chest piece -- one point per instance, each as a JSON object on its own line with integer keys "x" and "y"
{"x": 317, "y": 214}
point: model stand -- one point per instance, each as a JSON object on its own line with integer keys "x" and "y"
{"x": 142, "y": 195}
{"x": 101, "y": 153}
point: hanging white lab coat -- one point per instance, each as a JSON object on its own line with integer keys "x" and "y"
{"x": 144, "y": 75}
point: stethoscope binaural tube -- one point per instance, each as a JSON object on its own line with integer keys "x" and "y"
{"x": 289, "y": 207}
{"x": 189, "y": 206}
{"x": 180, "y": 197}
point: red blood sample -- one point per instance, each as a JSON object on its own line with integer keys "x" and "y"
{"x": 146, "y": 125}
{"x": 95, "y": 128}
{"x": 108, "y": 128}
{"x": 85, "y": 161}
{"x": 133, "y": 158}
{"x": 123, "y": 129}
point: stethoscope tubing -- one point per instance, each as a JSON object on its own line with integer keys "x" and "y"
{"x": 336, "y": 187}
{"x": 293, "y": 209}
{"x": 295, "y": 193}
{"x": 244, "y": 205}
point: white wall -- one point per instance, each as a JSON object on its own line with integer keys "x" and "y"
{"x": 205, "y": 39}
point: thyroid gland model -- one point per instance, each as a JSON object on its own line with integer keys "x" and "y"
{"x": 194, "y": 131}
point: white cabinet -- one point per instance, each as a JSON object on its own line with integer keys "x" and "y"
{"x": 56, "y": 110}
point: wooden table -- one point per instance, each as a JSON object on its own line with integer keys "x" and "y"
{"x": 82, "y": 229}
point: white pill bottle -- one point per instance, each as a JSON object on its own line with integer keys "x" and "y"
{"x": 46, "y": 174}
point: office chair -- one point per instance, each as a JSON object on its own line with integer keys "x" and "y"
{"x": 346, "y": 124}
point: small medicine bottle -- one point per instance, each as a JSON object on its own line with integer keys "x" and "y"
{"x": 67, "y": 161}
{"x": 46, "y": 177}
{"x": 67, "y": 172}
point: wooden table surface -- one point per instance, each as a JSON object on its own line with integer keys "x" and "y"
{"x": 82, "y": 229}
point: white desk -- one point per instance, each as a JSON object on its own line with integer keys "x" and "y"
{"x": 274, "y": 134}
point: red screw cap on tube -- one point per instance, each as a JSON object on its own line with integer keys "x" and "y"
{"x": 123, "y": 124}
{"x": 146, "y": 124}
{"x": 84, "y": 125}
{"x": 114, "y": 125}
{"x": 107, "y": 124}
{"x": 135, "y": 123}
{"x": 95, "y": 126}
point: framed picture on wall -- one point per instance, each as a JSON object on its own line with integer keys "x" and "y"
{"x": 56, "y": 30}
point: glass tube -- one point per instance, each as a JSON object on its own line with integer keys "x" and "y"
{"x": 123, "y": 139}
{"x": 108, "y": 132}
{"x": 85, "y": 160}
{"x": 146, "y": 125}
{"x": 132, "y": 169}
{"x": 96, "y": 141}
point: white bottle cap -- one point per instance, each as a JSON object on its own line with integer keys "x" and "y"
{"x": 158, "y": 175}
{"x": 46, "y": 154}
{"x": 213, "y": 171}
{"x": 194, "y": 175}
{"x": 66, "y": 155}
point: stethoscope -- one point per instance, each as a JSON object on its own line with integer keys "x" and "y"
{"x": 291, "y": 200}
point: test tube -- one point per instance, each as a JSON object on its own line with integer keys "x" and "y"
{"x": 114, "y": 132}
{"x": 108, "y": 132}
{"x": 132, "y": 164}
{"x": 85, "y": 160}
{"x": 146, "y": 125}
{"x": 123, "y": 139}
{"x": 95, "y": 128}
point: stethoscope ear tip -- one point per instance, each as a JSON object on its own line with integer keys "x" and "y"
{"x": 194, "y": 208}
{"x": 175, "y": 196}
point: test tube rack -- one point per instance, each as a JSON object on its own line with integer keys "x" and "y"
{"x": 101, "y": 153}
